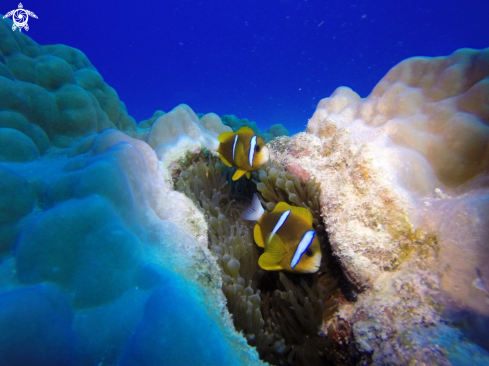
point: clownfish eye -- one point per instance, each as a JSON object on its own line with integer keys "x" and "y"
{"x": 257, "y": 148}
{"x": 309, "y": 252}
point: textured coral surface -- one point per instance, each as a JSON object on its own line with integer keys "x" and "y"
{"x": 101, "y": 261}
{"x": 51, "y": 96}
{"x": 405, "y": 195}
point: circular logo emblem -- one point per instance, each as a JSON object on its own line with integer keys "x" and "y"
{"x": 20, "y": 18}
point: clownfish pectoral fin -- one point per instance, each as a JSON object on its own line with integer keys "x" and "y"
{"x": 267, "y": 262}
{"x": 223, "y": 137}
{"x": 224, "y": 160}
{"x": 258, "y": 237}
{"x": 274, "y": 252}
{"x": 275, "y": 246}
{"x": 239, "y": 154}
{"x": 239, "y": 173}
{"x": 304, "y": 212}
{"x": 248, "y": 175}
{"x": 245, "y": 129}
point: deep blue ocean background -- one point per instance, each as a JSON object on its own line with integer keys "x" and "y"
{"x": 270, "y": 61}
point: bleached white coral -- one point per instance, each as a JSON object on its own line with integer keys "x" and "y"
{"x": 179, "y": 131}
{"x": 424, "y": 128}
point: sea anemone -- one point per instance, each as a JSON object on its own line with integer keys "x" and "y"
{"x": 279, "y": 313}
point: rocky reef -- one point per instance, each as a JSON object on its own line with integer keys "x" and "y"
{"x": 121, "y": 244}
{"x": 405, "y": 198}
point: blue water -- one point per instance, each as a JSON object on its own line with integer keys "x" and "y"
{"x": 270, "y": 61}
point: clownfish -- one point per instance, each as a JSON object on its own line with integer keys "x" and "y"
{"x": 242, "y": 149}
{"x": 287, "y": 235}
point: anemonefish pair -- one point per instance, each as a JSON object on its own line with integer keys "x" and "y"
{"x": 286, "y": 233}
{"x": 242, "y": 149}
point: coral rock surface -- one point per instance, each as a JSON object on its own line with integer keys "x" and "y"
{"x": 405, "y": 196}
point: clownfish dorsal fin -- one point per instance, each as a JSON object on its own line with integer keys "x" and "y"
{"x": 304, "y": 212}
{"x": 258, "y": 237}
{"x": 245, "y": 129}
{"x": 223, "y": 137}
{"x": 224, "y": 160}
{"x": 239, "y": 154}
{"x": 274, "y": 253}
{"x": 254, "y": 211}
{"x": 281, "y": 207}
{"x": 239, "y": 173}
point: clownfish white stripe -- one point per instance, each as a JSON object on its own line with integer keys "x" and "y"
{"x": 281, "y": 221}
{"x": 234, "y": 145}
{"x": 302, "y": 247}
{"x": 252, "y": 149}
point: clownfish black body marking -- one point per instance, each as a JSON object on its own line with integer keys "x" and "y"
{"x": 244, "y": 150}
{"x": 286, "y": 234}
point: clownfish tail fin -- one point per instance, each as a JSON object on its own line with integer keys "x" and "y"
{"x": 254, "y": 211}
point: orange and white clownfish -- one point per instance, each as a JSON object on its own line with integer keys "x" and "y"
{"x": 287, "y": 235}
{"x": 244, "y": 150}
